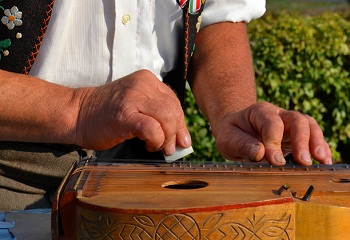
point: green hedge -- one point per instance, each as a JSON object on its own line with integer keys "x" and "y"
{"x": 301, "y": 63}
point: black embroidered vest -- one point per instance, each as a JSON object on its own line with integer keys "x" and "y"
{"x": 22, "y": 28}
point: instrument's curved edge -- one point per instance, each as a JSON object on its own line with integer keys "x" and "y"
{"x": 56, "y": 221}
{"x": 93, "y": 207}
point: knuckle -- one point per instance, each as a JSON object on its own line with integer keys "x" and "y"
{"x": 296, "y": 118}
{"x": 263, "y": 104}
{"x": 272, "y": 122}
{"x": 144, "y": 72}
{"x": 275, "y": 120}
{"x": 147, "y": 129}
{"x": 266, "y": 106}
{"x": 311, "y": 119}
{"x": 170, "y": 110}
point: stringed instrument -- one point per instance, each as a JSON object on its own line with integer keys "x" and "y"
{"x": 183, "y": 200}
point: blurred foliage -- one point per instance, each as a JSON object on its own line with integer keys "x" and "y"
{"x": 309, "y": 6}
{"x": 301, "y": 63}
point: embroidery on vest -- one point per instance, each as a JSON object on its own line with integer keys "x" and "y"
{"x": 33, "y": 54}
{"x": 22, "y": 28}
{"x": 12, "y": 18}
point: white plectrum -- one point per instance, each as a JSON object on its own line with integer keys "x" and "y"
{"x": 179, "y": 153}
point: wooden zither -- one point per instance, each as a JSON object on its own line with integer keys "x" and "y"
{"x": 183, "y": 200}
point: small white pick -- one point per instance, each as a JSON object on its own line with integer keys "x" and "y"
{"x": 179, "y": 153}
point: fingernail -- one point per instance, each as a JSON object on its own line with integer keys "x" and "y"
{"x": 330, "y": 161}
{"x": 170, "y": 150}
{"x": 279, "y": 158}
{"x": 305, "y": 156}
{"x": 253, "y": 151}
{"x": 187, "y": 141}
{"x": 321, "y": 151}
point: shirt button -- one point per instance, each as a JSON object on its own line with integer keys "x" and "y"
{"x": 126, "y": 18}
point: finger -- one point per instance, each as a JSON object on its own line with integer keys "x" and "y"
{"x": 236, "y": 144}
{"x": 298, "y": 128}
{"x": 169, "y": 149}
{"x": 168, "y": 113}
{"x": 328, "y": 158}
{"x": 272, "y": 135}
{"x": 148, "y": 129}
{"x": 183, "y": 137}
{"x": 328, "y": 154}
{"x": 268, "y": 123}
{"x": 318, "y": 147}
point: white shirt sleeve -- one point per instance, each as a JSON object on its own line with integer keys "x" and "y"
{"x": 232, "y": 11}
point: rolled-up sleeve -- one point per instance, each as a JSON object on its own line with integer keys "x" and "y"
{"x": 232, "y": 11}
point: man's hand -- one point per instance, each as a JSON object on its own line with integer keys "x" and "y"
{"x": 137, "y": 105}
{"x": 222, "y": 80}
{"x": 264, "y": 131}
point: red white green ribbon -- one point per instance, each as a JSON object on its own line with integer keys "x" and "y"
{"x": 193, "y": 6}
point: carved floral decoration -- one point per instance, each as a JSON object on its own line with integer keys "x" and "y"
{"x": 183, "y": 226}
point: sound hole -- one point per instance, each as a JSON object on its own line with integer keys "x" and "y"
{"x": 189, "y": 184}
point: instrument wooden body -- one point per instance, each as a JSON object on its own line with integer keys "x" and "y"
{"x": 203, "y": 201}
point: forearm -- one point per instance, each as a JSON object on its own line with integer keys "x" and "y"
{"x": 37, "y": 111}
{"x": 221, "y": 74}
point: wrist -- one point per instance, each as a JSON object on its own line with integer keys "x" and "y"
{"x": 79, "y": 107}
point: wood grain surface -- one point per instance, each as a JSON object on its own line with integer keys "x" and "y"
{"x": 203, "y": 201}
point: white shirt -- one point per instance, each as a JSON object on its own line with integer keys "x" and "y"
{"x": 90, "y": 43}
